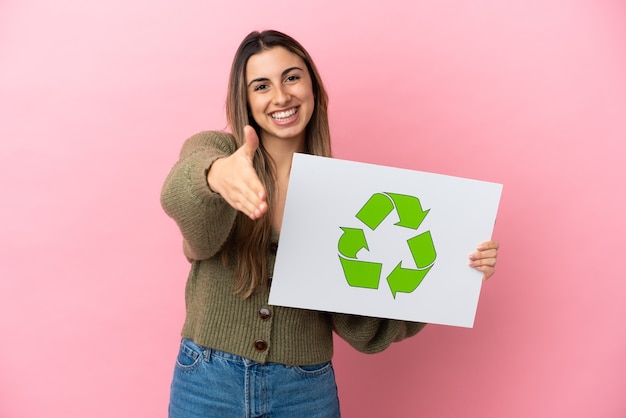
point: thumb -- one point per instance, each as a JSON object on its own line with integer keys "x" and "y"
{"x": 251, "y": 142}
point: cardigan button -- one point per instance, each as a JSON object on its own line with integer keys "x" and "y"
{"x": 260, "y": 345}
{"x": 265, "y": 313}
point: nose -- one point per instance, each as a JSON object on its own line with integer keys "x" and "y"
{"x": 281, "y": 96}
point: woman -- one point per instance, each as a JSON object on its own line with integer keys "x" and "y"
{"x": 239, "y": 356}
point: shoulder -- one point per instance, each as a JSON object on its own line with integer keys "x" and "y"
{"x": 222, "y": 141}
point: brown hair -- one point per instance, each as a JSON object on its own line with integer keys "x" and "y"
{"x": 250, "y": 240}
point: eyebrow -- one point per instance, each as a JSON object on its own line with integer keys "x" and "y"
{"x": 287, "y": 71}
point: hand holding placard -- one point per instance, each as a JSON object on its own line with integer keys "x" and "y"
{"x": 484, "y": 259}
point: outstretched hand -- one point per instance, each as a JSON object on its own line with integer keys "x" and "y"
{"x": 235, "y": 179}
{"x": 484, "y": 260}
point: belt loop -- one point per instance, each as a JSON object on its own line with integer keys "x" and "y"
{"x": 207, "y": 354}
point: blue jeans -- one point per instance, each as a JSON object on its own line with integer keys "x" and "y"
{"x": 209, "y": 383}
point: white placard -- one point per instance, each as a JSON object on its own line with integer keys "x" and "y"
{"x": 380, "y": 241}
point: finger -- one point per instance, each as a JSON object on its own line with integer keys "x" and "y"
{"x": 483, "y": 262}
{"x": 251, "y": 142}
{"x": 493, "y": 253}
{"x": 254, "y": 210}
{"x": 259, "y": 211}
{"x": 249, "y": 203}
{"x": 488, "y": 245}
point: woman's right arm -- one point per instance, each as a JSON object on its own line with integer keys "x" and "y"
{"x": 205, "y": 219}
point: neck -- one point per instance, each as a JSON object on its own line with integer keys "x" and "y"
{"x": 282, "y": 152}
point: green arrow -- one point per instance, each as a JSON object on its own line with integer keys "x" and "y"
{"x": 422, "y": 249}
{"x": 351, "y": 241}
{"x": 405, "y": 280}
{"x": 361, "y": 273}
{"x": 409, "y": 210}
{"x": 375, "y": 210}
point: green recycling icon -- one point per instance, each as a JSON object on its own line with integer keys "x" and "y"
{"x": 367, "y": 274}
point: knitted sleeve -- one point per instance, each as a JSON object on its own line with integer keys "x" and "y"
{"x": 203, "y": 216}
{"x": 372, "y": 335}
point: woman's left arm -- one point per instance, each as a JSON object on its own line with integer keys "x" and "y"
{"x": 484, "y": 258}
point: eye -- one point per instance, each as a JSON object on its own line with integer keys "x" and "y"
{"x": 292, "y": 78}
{"x": 260, "y": 87}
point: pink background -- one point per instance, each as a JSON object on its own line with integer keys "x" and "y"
{"x": 96, "y": 98}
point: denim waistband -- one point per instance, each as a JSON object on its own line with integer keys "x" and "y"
{"x": 229, "y": 356}
{"x": 208, "y": 352}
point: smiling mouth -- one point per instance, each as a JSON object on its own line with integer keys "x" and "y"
{"x": 284, "y": 115}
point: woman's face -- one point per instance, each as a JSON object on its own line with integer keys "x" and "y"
{"x": 280, "y": 94}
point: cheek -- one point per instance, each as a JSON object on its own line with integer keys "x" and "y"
{"x": 255, "y": 107}
{"x": 311, "y": 101}
{"x": 311, "y": 96}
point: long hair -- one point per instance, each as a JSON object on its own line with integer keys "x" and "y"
{"x": 250, "y": 240}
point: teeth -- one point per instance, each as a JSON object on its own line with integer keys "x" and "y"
{"x": 284, "y": 114}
